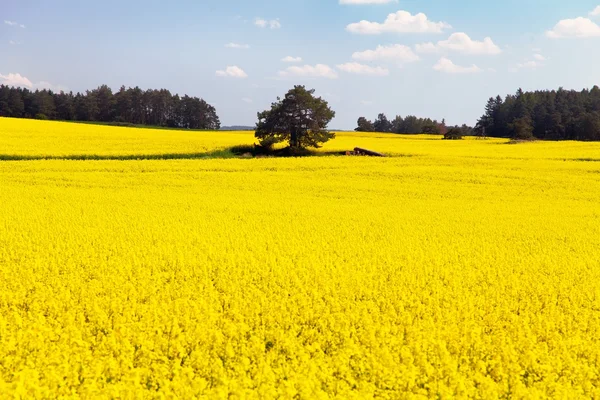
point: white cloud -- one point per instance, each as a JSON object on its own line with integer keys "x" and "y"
{"x": 361, "y": 69}
{"x": 529, "y": 65}
{"x": 427, "y": 48}
{"x": 237, "y": 46}
{"x": 576, "y": 28}
{"x": 595, "y": 12}
{"x": 263, "y": 23}
{"x": 399, "y": 22}
{"x": 317, "y": 71}
{"x": 290, "y": 59}
{"x": 48, "y": 86}
{"x": 366, "y": 103}
{"x": 447, "y": 66}
{"x": 367, "y": 1}
{"x": 537, "y": 62}
{"x": 16, "y": 80}
{"x": 461, "y": 43}
{"x": 247, "y": 100}
{"x": 13, "y": 23}
{"x": 232, "y": 72}
{"x": 397, "y": 52}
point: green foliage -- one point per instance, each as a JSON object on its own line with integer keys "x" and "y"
{"x": 382, "y": 124}
{"x": 433, "y": 129}
{"x": 555, "y": 115}
{"x": 588, "y": 125}
{"x": 131, "y": 106}
{"x": 455, "y": 133}
{"x": 409, "y": 125}
{"x": 299, "y": 118}
{"x": 364, "y": 125}
{"x": 522, "y": 129}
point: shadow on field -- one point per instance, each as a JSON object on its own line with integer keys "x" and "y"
{"x": 250, "y": 151}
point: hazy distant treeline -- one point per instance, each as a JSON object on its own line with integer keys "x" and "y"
{"x": 408, "y": 125}
{"x": 127, "y": 106}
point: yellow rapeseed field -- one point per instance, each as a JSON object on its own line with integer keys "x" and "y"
{"x": 465, "y": 269}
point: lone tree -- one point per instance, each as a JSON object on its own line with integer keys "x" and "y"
{"x": 454, "y": 134}
{"x": 299, "y": 118}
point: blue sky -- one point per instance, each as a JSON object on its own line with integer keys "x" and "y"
{"x": 431, "y": 58}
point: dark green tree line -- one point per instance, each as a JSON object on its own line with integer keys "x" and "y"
{"x": 408, "y": 125}
{"x": 127, "y": 106}
{"x": 551, "y": 115}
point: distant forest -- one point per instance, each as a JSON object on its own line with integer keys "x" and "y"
{"x": 553, "y": 115}
{"x": 128, "y": 106}
{"x": 549, "y": 115}
{"x": 408, "y": 125}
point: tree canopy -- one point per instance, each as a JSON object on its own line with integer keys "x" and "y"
{"x": 131, "y": 106}
{"x": 364, "y": 125}
{"x": 408, "y": 125}
{"x": 453, "y": 134}
{"x": 299, "y": 118}
{"x": 555, "y": 115}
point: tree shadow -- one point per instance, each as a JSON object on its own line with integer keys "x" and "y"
{"x": 242, "y": 151}
{"x": 256, "y": 151}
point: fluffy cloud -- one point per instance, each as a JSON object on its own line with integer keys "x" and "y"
{"x": 539, "y": 57}
{"x": 361, "y": 69}
{"x": 367, "y": 1}
{"x": 397, "y": 52}
{"x": 575, "y": 28}
{"x": 13, "y": 23}
{"x": 317, "y": 71}
{"x": 237, "y": 46}
{"x": 447, "y": 66}
{"x": 16, "y": 80}
{"x": 427, "y": 48}
{"x": 232, "y": 72}
{"x": 290, "y": 59}
{"x": 595, "y": 12}
{"x": 263, "y": 23}
{"x": 462, "y": 43}
{"x": 399, "y": 22}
